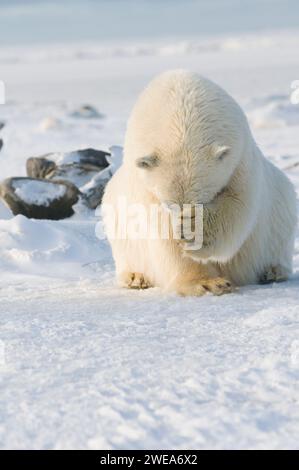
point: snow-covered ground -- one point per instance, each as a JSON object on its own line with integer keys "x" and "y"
{"x": 84, "y": 364}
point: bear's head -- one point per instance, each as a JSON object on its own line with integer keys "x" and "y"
{"x": 185, "y": 138}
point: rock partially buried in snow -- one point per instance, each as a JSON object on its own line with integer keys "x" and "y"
{"x": 87, "y": 112}
{"x": 39, "y": 199}
{"x": 78, "y": 167}
{"x": 39, "y": 167}
{"x": 89, "y": 156}
{"x": 88, "y": 169}
{"x": 1, "y": 144}
{"x": 93, "y": 191}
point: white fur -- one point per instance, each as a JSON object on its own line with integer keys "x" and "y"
{"x": 206, "y": 154}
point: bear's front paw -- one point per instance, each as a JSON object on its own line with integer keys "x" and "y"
{"x": 134, "y": 281}
{"x": 217, "y": 286}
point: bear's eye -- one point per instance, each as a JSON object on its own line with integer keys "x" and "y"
{"x": 222, "y": 152}
{"x": 148, "y": 162}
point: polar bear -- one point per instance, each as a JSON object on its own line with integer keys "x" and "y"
{"x": 189, "y": 142}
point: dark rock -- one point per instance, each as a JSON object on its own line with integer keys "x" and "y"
{"x": 78, "y": 167}
{"x": 39, "y": 167}
{"x": 87, "y": 112}
{"x": 1, "y": 144}
{"x": 92, "y": 196}
{"x": 38, "y": 198}
{"x": 88, "y": 169}
{"x": 91, "y": 157}
{"x": 92, "y": 192}
{"x": 2, "y": 124}
{"x": 76, "y": 174}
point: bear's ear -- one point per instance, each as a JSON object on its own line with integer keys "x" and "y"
{"x": 147, "y": 162}
{"x": 221, "y": 152}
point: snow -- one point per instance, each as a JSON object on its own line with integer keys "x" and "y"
{"x": 84, "y": 364}
{"x": 274, "y": 111}
{"x": 83, "y": 52}
{"x": 2, "y": 93}
{"x": 5, "y": 212}
{"x": 39, "y": 193}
